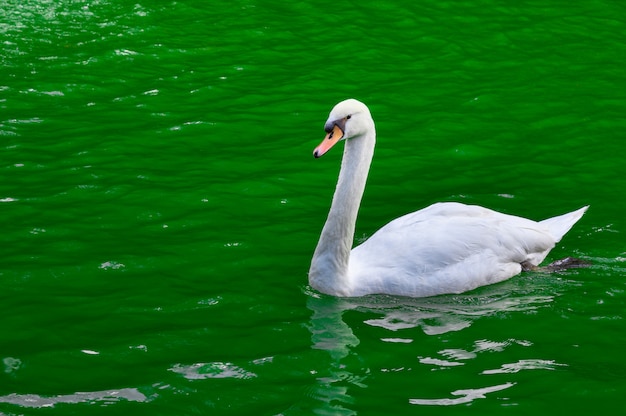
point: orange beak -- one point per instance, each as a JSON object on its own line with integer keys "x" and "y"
{"x": 329, "y": 141}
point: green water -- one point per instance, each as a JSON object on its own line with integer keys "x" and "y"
{"x": 160, "y": 205}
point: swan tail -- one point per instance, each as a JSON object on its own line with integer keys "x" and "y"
{"x": 559, "y": 226}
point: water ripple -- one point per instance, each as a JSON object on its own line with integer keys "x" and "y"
{"x": 525, "y": 365}
{"x": 100, "y": 397}
{"x": 467, "y": 396}
{"x": 201, "y": 371}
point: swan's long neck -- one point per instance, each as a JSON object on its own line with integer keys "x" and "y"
{"x": 329, "y": 267}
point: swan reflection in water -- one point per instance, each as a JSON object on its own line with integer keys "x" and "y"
{"x": 433, "y": 316}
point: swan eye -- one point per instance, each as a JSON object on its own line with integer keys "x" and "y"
{"x": 349, "y": 117}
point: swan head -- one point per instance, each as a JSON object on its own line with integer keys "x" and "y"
{"x": 350, "y": 118}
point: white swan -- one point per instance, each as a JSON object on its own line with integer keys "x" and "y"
{"x": 445, "y": 248}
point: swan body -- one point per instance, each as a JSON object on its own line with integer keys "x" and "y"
{"x": 444, "y": 248}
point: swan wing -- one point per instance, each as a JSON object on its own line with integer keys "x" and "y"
{"x": 447, "y": 248}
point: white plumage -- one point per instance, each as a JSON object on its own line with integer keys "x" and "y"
{"x": 444, "y": 248}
